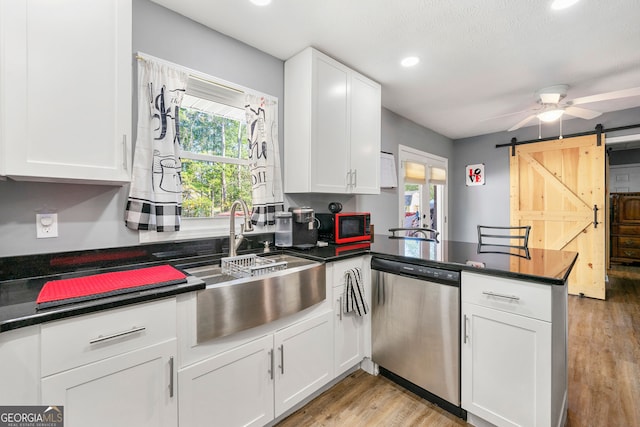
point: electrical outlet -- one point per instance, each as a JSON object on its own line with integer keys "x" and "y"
{"x": 46, "y": 225}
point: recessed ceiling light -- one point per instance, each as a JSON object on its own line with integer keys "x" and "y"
{"x": 562, "y": 4}
{"x": 410, "y": 61}
{"x": 260, "y": 2}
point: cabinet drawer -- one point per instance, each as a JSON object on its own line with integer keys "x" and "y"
{"x": 339, "y": 268}
{"x": 514, "y": 296}
{"x": 80, "y": 340}
{"x": 620, "y": 252}
{"x": 627, "y": 242}
{"x": 618, "y": 229}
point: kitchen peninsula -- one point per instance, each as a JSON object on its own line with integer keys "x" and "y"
{"x": 504, "y": 342}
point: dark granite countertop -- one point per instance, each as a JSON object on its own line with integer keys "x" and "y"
{"x": 540, "y": 265}
{"x": 22, "y": 278}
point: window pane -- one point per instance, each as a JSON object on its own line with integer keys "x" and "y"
{"x": 209, "y": 188}
{"x": 205, "y": 133}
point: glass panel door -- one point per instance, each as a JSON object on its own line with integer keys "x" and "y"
{"x": 422, "y": 203}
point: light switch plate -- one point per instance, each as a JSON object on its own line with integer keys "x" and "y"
{"x": 46, "y": 225}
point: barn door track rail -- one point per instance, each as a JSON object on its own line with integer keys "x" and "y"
{"x": 597, "y": 131}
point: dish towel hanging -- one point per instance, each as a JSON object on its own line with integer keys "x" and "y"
{"x": 264, "y": 159}
{"x": 354, "y": 298}
{"x": 155, "y": 196}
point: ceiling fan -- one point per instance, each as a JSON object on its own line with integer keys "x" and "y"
{"x": 551, "y": 104}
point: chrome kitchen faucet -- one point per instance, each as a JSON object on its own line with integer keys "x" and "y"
{"x": 236, "y": 240}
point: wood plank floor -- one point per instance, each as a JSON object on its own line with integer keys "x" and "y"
{"x": 604, "y": 374}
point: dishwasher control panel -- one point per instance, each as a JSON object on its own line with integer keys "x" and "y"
{"x": 418, "y": 271}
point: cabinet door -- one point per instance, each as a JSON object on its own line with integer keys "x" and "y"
{"x": 329, "y": 146}
{"x": 303, "y": 360}
{"x": 365, "y": 135}
{"x": 348, "y": 335}
{"x": 506, "y": 367}
{"x": 66, "y": 90}
{"x": 20, "y": 367}
{"x": 134, "y": 389}
{"x": 234, "y": 388}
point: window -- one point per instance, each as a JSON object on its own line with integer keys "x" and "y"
{"x": 215, "y": 169}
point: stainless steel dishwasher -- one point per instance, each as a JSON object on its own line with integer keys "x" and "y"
{"x": 416, "y": 329}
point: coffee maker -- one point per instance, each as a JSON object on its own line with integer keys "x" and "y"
{"x": 304, "y": 227}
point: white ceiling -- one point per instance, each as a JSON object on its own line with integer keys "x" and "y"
{"x": 479, "y": 58}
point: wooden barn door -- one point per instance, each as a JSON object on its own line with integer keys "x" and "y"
{"x": 555, "y": 186}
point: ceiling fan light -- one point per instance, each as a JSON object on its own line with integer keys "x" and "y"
{"x": 550, "y": 115}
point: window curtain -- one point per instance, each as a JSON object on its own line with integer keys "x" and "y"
{"x": 155, "y": 195}
{"x": 264, "y": 159}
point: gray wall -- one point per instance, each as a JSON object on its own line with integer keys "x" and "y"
{"x": 396, "y": 130}
{"x": 489, "y": 204}
{"x": 91, "y": 216}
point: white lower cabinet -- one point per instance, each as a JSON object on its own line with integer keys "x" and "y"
{"x": 234, "y": 388}
{"x": 514, "y": 356}
{"x": 349, "y": 328}
{"x": 303, "y": 360}
{"x": 506, "y": 370}
{"x": 134, "y": 389}
{"x": 252, "y": 384}
{"x": 20, "y": 366}
{"x": 114, "y": 367}
{"x": 348, "y": 336}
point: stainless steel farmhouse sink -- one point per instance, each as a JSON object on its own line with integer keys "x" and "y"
{"x": 232, "y": 303}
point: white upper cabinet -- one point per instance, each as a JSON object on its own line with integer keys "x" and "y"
{"x": 332, "y": 127}
{"x": 65, "y": 90}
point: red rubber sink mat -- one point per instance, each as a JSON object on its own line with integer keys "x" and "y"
{"x": 67, "y": 291}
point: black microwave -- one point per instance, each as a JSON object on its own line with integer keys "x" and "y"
{"x": 344, "y": 227}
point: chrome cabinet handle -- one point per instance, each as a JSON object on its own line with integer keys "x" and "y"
{"x": 101, "y": 338}
{"x": 282, "y": 359}
{"x": 348, "y": 179}
{"x": 493, "y": 294}
{"x": 340, "y": 308}
{"x": 171, "y": 376}
{"x": 124, "y": 153}
{"x": 271, "y": 363}
{"x": 354, "y": 175}
{"x": 465, "y": 334}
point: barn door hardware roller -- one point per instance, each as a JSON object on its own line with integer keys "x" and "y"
{"x": 595, "y": 216}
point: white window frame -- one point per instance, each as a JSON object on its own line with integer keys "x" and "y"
{"x": 195, "y": 228}
{"x": 414, "y": 155}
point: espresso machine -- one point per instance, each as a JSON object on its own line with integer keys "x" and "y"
{"x": 304, "y": 228}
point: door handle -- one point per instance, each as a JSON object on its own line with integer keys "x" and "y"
{"x": 271, "y": 363}
{"x": 464, "y": 326}
{"x": 125, "y": 157}
{"x": 354, "y": 175}
{"x": 133, "y": 330}
{"x": 282, "y": 359}
{"x": 171, "y": 376}
{"x": 595, "y": 216}
{"x": 493, "y": 294}
{"x": 340, "y": 308}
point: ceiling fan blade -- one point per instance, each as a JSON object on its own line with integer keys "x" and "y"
{"x": 625, "y": 93}
{"x": 507, "y": 115}
{"x": 583, "y": 113}
{"x": 523, "y": 122}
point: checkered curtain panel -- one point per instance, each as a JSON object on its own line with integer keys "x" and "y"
{"x": 264, "y": 158}
{"x": 155, "y": 196}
